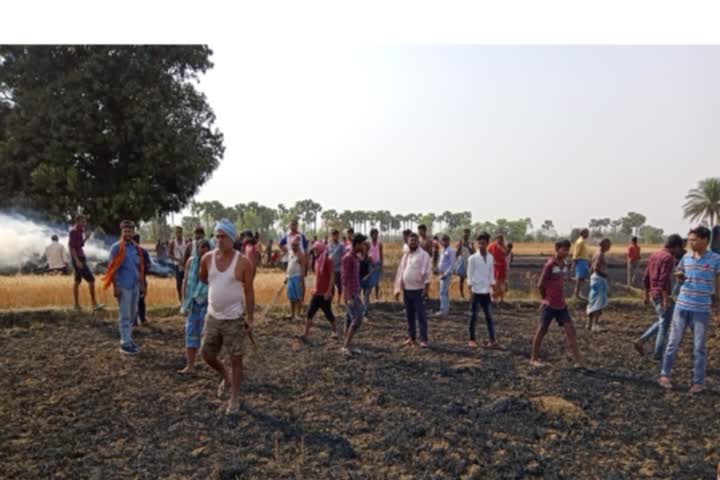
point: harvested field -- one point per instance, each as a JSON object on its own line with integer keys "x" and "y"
{"x": 71, "y": 406}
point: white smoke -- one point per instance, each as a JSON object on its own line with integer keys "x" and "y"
{"x": 23, "y": 241}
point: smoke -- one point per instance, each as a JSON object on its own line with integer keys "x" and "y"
{"x": 23, "y": 242}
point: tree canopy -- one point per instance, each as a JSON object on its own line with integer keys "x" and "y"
{"x": 112, "y": 131}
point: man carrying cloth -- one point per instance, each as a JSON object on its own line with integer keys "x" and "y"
{"x": 230, "y": 309}
{"x": 126, "y": 274}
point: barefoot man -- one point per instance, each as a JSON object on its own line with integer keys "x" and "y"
{"x": 79, "y": 262}
{"x": 598, "y": 298}
{"x": 499, "y": 252}
{"x": 464, "y": 250}
{"x": 553, "y": 304}
{"x": 699, "y": 297}
{"x": 581, "y": 261}
{"x": 323, "y": 292}
{"x": 350, "y": 273}
{"x": 231, "y": 305}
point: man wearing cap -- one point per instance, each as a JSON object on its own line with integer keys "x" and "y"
{"x": 231, "y": 306}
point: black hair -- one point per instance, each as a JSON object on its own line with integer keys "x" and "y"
{"x": 634, "y": 239}
{"x": 358, "y": 239}
{"x": 562, "y": 243}
{"x": 335, "y": 232}
{"x": 483, "y": 236}
{"x": 467, "y": 230}
{"x": 204, "y": 244}
{"x": 422, "y": 226}
{"x": 445, "y": 238}
{"x": 199, "y": 231}
{"x": 136, "y": 238}
{"x": 674, "y": 241}
{"x": 374, "y": 230}
{"x": 54, "y": 238}
{"x": 413, "y": 234}
{"x": 407, "y": 231}
{"x": 701, "y": 232}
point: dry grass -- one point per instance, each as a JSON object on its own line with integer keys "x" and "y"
{"x": 30, "y": 291}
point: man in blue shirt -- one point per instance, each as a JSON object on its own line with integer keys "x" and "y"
{"x": 699, "y": 272}
{"x": 124, "y": 271}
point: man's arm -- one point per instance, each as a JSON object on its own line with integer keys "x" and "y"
{"x": 542, "y": 281}
{"x": 185, "y": 281}
{"x": 204, "y": 265}
{"x": 188, "y": 253}
{"x": 470, "y": 271}
{"x": 302, "y": 260}
{"x": 246, "y": 276}
{"x": 328, "y": 294}
{"x": 171, "y": 249}
{"x": 382, "y": 255}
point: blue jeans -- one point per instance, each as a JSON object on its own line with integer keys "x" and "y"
{"x": 445, "y": 294}
{"x": 698, "y": 323}
{"x": 128, "y": 303}
{"x": 660, "y": 327}
{"x": 483, "y": 300}
{"x": 415, "y": 307}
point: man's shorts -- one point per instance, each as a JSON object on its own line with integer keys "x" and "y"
{"x": 561, "y": 315}
{"x": 582, "y": 269}
{"x": 338, "y": 282}
{"x": 225, "y": 335}
{"x": 294, "y": 288}
{"x": 83, "y": 273}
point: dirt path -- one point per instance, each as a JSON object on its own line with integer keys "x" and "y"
{"x": 72, "y": 407}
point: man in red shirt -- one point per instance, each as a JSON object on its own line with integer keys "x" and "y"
{"x": 633, "y": 260}
{"x": 323, "y": 292}
{"x": 553, "y": 304}
{"x": 499, "y": 252}
{"x": 79, "y": 262}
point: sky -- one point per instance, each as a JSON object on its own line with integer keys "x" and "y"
{"x": 561, "y": 133}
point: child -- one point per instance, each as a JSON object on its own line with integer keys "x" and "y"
{"x": 553, "y": 304}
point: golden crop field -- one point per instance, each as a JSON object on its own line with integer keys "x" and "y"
{"x": 33, "y": 291}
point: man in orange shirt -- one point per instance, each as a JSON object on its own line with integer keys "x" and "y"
{"x": 498, "y": 250}
{"x": 633, "y": 260}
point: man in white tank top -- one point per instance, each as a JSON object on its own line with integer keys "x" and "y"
{"x": 231, "y": 304}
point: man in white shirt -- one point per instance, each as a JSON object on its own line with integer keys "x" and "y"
{"x": 413, "y": 280}
{"x": 481, "y": 278}
{"x": 57, "y": 257}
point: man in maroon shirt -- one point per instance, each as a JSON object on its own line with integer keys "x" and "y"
{"x": 554, "y": 307}
{"x": 658, "y": 287}
{"x": 323, "y": 292}
{"x": 79, "y": 262}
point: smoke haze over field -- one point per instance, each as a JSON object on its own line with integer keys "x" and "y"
{"x": 24, "y": 241}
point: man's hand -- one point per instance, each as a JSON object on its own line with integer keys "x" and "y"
{"x": 80, "y": 265}
{"x": 116, "y": 293}
{"x": 397, "y": 296}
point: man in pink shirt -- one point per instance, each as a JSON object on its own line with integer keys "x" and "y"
{"x": 413, "y": 280}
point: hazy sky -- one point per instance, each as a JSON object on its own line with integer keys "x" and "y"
{"x": 566, "y": 133}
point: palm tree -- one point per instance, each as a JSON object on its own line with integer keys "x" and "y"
{"x": 703, "y": 202}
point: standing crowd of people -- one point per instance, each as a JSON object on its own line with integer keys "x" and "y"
{"x": 216, "y": 291}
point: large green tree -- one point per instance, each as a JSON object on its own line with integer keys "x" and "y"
{"x": 113, "y": 131}
{"x": 703, "y": 202}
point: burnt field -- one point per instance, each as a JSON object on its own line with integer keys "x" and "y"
{"x": 71, "y": 406}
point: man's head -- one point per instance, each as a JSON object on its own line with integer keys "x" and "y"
{"x": 179, "y": 232}
{"x": 294, "y": 225}
{"x": 54, "y": 238}
{"x": 698, "y": 239}
{"x": 295, "y": 244}
{"x": 584, "y": 233}
{"x": 248, "y": 237}
{"x": 81, "y": 220}
{"x": 335, "y": 235}
{"x": 422, "y": 230}
{"x": 509, "y": 246}
{"x": 203, "y": 247}
{"x": 413, "y": 241}
{"x": 318, "y": 248}
{"x": 634, "y": 240}
{"x": 500, "y": 238}
{"x": 199, "y": 233}
{"x": 374, "y": 234}
{"x": 445, "y": 241}
{"x": 605, "y": 245}
{"x": 349, "y": 234}
{"x": 257, "y": 236}
{"x": 675, "y": 245}
{"x": 225, "y": 235}
{"x": 482, "y": 241}
{"x": 466, "y": 234}
{"x": 406, "y": 235}
{"x": 127, "y": 227}
{"x": 358, "y": 242}
{"x": 562, "y": 248}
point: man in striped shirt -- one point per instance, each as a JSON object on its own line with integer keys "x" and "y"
{"x": 699, "y": 271}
